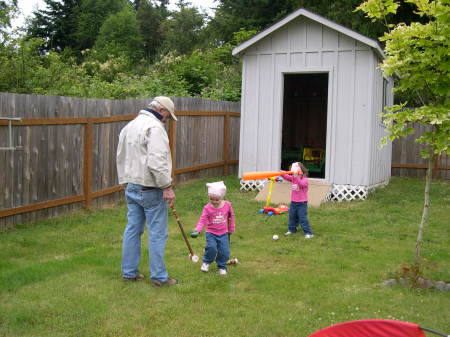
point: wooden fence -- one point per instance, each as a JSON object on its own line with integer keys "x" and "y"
{"x": 67, "y": 148}
{"x": 406, "y": 159}
{"x": 68, "y": 145}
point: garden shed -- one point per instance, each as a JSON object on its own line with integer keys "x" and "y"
{"x": 312, "y": 91}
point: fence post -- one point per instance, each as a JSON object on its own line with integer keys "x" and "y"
{"x": 87, "y": 170}
{"x": 226, "y": 140}
{"x": 173, "y": 147}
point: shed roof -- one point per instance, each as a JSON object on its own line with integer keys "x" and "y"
{"x": 303, "y": 12}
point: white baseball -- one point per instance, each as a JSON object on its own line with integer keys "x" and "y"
{"x": 194, "y": 258}
{"x": 275, "y": 237}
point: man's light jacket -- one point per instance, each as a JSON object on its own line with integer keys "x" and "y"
{"x": 143, "y": 152}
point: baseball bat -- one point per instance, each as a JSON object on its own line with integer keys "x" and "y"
{"x": 263, "y": 174}
{"x": 192, "y": 255}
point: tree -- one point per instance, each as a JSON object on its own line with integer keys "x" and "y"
{"x": 150, "y": 18}
{"x": 56, "y": 24}
{"x": 418, "y": 55}
{"x": 119, "y": 35}
{"x": 233, "y": 15}
{"x": 91, "y": 15}
{"x": 182, "y": 30}
{"x": 8, "y": 9}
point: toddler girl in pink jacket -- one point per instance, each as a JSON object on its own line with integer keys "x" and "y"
{"x": 218, "y": 217}
{"x": 298, "y": 209}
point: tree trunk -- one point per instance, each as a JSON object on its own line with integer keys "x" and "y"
{"x": 426, "y": 205}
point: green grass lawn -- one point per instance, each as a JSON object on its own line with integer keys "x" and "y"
{"x": 61, "y": 277}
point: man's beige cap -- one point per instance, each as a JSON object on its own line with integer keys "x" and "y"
{"x": 167, "y": 103}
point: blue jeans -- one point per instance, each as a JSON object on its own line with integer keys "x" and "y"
{"x": 298, "y": 213}
{"x": 145, "y": 206}
{"x": 218, "y": 249}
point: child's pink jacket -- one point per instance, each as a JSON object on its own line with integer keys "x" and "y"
{"x": 299, "y": 187}
{"x": 216, "y": 219}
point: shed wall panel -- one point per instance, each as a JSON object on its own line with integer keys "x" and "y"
{"x": 250, "y": 112}
{"x": 313, "y": 35}
{"x": 297, "y": 59}
{"x": 330, "y": 60}
{"x": 374, "y": 130}
{"x": 330, "y": 39}
{"x": 280, "y": 41}
{"x": 297, "y": 36}
{"x": 281, "y": 62}
{"x": 344, "y": 115}
{"x": 252, "y": 50}
{"x": 313, "y": 59}
{"x": 381, "y": 158}
{"x": 346, "y": 42}
{"x": 361, "y": 119}
{"x": 265, "y": 46}
{"x": 362, "y": 46}
{"x": 265, "y": 118}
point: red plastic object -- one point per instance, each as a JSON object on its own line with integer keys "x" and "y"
{"x": 276, "y": 210}
{"x": 371, "y": 328}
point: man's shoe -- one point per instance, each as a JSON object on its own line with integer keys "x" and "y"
{"x": 309, "y": 236}
{"x": 288, "y": 233}
{"x": 138, "y": 277}
{"x": 168, "y": 283}
{"x": 222, "y": 271}
{"x": 204, "y": 267}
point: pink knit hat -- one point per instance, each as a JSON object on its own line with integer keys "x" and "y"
{"x": 217, "y": 189}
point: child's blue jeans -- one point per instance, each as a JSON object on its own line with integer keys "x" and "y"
{"x": 217, "y": 248}
{"x": 298, "y": 213}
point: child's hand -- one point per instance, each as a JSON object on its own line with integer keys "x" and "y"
{"x": 194, "y": 234}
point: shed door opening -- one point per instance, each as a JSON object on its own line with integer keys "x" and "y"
{"x": 305, "y": 122}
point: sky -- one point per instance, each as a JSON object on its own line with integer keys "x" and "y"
{"x": 27, "y": 7}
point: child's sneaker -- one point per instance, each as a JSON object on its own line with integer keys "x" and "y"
{"x": 309, "y": 236}
{"x": 288, "y": 233}
{"x": 204, "y": 267}
{"x": 222, "y": 271}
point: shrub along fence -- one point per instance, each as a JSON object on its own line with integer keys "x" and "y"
{"x": 61, "y": 154}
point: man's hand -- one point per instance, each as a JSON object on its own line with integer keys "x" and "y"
{"x": 169, "y": 195}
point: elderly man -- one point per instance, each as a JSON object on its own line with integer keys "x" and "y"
{"x": 144, "y": 164}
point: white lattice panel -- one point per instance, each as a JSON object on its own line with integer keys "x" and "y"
{"x": 251, "y": 185}
{"x": 347, "y": 193}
